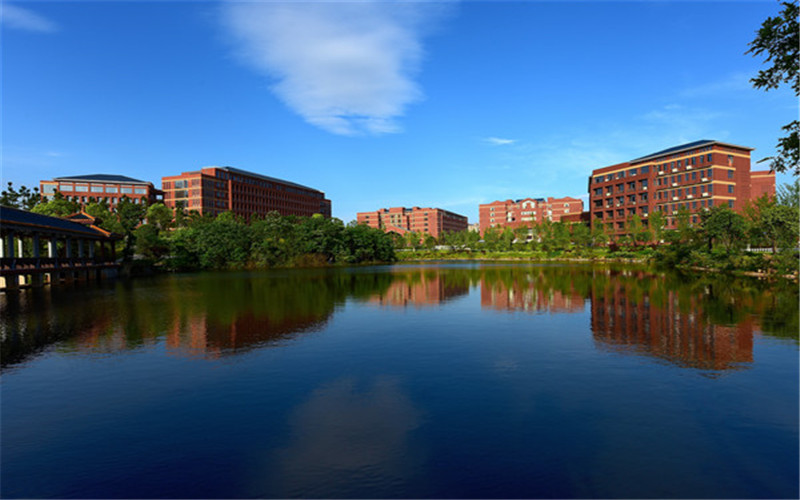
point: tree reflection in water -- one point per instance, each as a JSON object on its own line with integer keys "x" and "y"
{"x": 702, "y": 321}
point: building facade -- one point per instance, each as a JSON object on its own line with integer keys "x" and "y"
{"x": 213, "y": 190}
{"x": 110, "y": 188}
{"x": 433, "y": 221}
{"x": 693, "y": 177}
{"x": 527, "y": 211}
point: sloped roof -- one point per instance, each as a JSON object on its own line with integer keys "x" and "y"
{"x": 688, "y": 145}
{"x": 11, "y": 217}
{"x": 266, "y": 177}
{"x": 102, "y": 178}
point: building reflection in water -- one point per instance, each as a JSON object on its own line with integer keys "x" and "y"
{"x": 670, "y": 325}
{"x": 199, "y": 335}
{"x": 420, "y": 288}
{"x": 526, "y": 296}
{"x": 705, "y": 324}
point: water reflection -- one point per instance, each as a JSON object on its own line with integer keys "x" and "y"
{"x": 635, "y": 315}
{"x": 422, "y": 287}
{"x": 705, "y": 322}
{"x": 355, "y": 436}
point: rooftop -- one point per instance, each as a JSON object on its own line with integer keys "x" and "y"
{"x": 265, "y": 177}
{"x": 102, "y": 178}
{"x": 14, "y": 216}
{"x": 688, "y": 145}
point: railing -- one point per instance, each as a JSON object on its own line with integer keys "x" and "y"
{"x": 48, "y": 264}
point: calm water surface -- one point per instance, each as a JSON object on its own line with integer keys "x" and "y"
{"x": 451, "y": 380}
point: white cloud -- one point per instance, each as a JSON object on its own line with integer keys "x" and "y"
{"x": 25, "y": 19}
{"x": 497, "y": 141}
{"x": 346, "y": 67}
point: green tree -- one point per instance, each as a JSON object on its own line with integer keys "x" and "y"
{"x": 639, "y": 233}
{"x": 580, "y": 234}
{"x": 599, "y": 235}
{"x": 59, "y": 206}
{"x": 789, "y": 194}
{"x": 778, "y": 40}
{"x": 657, "y": 223}
{"x": 723, "y": 225}
{"x": 128, "y": 217}
{"x": 150, "y": 243}
{"x": 160, "y": 216}
{"x": 772, "y": 224}
{"x": 24, "y": 199}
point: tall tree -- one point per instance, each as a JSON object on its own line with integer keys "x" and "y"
{"x": 24, "y": 199}
{"x": 778, "y": 39}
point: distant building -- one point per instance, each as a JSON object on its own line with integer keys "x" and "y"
{"x": 213, "y": 190}
{"x": 101, "y": 187}
{"x": 527, "y": 211}
{"x": 433, "y": 221}
{"x": 694, "y": 176}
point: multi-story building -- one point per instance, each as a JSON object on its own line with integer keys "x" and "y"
{"x": 433, "y": 221}
{"x": 213, "y": 190}
{"x": 110, "y": 188}
{"x": 527, "y": 211}
{"x": 694, "y": 176}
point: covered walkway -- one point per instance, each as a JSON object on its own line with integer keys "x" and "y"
{"x": 38, "y": 249}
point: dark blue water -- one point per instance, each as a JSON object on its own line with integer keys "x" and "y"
{"x": 437, "y": 381}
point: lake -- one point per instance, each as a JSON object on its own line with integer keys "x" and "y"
{"x": 439, "y": 380}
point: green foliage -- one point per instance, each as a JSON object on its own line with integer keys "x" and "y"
{"x": 779, "y": 41}
{"x": 59, "y": 206}
{"x": 24, "y": 198}
{"x": 722, "y": 225}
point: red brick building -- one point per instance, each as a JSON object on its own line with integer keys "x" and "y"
{"x": 213, "y": 190}
{"x": 526, "y": 212}
{"x": 693, "y": 176}
{"x": 433, "y": 221}
{"x": 101, "y": 187}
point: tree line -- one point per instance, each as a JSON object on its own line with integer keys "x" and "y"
{"x": 185, "y": 240}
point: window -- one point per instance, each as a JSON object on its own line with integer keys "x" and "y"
{"x": 111, "y": 189}
{"x": 130, "y": 190}
{"x": 65, "y": 187}
{"x": 140, "y": 191}
{"x": 730, "y": 174}
{"x": 645, "y": 169}
{"x": 694, "y": 176}
{"x": 708, "y": 157}
{"x": 730, "y": 188}
{"x": 730, "y": 203}
{"x": 82, "y": 189}
{"x": 97, "y": 189}
{"x": 632, "y": 172}
{"x": 49, "y": 188}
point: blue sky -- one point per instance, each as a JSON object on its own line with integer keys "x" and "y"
{"x": 443, "y": 104}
